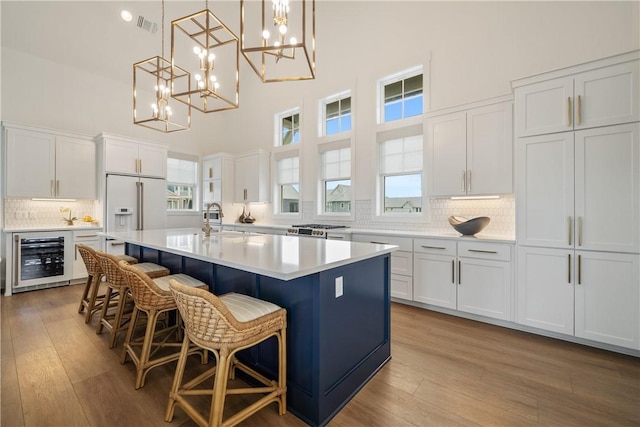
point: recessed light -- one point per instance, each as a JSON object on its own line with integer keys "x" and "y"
{"x": 126, "y": 15}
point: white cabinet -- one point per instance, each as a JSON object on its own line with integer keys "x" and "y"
{"x": 589, "y": 294}
{"x": 217, "y": 178}
{"x": 49, "y": 165}
{"x": 580, "y": 189}
{"x": 470, "y": 151}
{"x": 89, "y": 238}
{"x": 252, "y": 177}
{"x": 401, "y": 262}
{"x": 579, "y": 98}
{"x": 473, "y": 277}
{"x": 130, "y": 157}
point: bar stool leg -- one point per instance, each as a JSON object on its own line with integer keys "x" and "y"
{"x": 117, "y": 321}
{"x": 85, "y": 294}
{"x": 105, "y": 308}
{"x": 177, "y": 379}
{"x": 95, "y": 287}
{"x": 220, "y": 387}
{"x": 127, "y": 340}
{"x": 141, "y": 371}
{"x": 282, "y": 370}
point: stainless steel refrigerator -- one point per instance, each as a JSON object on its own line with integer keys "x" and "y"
{"x": 134, "y": 203}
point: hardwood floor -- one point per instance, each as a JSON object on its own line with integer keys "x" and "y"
{"x": 445, "y": 371}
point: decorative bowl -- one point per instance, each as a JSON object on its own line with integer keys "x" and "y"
{"x": 469, "y": 227}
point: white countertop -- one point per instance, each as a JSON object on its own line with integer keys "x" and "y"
{"x": 62, "y": 227}
{"x": 280, "y": 257}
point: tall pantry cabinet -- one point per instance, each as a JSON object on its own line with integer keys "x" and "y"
{"x": 578, "y": 201}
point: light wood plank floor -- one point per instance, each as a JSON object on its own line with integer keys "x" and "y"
{"x": 445, "y": 371}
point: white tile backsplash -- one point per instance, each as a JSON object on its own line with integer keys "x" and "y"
{"x": 25, "y": 213}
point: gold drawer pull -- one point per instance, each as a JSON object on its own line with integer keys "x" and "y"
{"x": 433, "y": 247}
{"x": 483, "y": 251}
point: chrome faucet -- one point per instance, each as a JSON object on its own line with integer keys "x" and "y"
{"x": 207, "y": 227}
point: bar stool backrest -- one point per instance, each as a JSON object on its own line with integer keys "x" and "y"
{"x": 144, "y": 290}
{"x": 90, "y": 259}
{"x": 111, "y": 270}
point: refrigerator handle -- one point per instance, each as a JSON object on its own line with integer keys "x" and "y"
{"x": 141, "y": 201}
{"x": 138, "y": 205}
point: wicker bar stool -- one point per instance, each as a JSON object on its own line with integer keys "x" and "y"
{"x": 91, "y": 299}
{"x": 117, "y": 293}
{"x": 153, "y": 297}
{"x": 225, "y": 325}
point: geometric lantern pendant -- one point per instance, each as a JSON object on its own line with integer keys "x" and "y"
{"x": 278, "y": 38}
{"x": 210, "y": 52}
{"x": 151, "y": 101}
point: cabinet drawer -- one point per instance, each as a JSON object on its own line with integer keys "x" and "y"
{"x": 405, "y": 243}
{"x": 85, "y": 235}
{"x": 402, "y": 263}
{"x": 434, "y": 246}
{"x": 495, "y": 251}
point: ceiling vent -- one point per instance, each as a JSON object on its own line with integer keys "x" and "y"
{"x": 147, "y": 25}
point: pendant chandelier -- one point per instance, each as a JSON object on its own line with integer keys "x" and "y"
{"x": 278, "y": 38}
{"x": 153, "y": 79}
{"x": 209, "y": 51}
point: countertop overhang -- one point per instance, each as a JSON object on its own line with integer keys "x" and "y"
{"x": 280, "y": 257}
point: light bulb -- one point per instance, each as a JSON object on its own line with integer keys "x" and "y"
{"x": 197, "y": 77}
{"x": 216, "y": 85}
{"x": 211, "y": 57}
{"x": 196, "y": 50}
{"x": 126, "y": 15}
{"x": 276, "y": 44}
{"x": 283, "y": 29}
{"x": 293, "y": 40}
{"x": 213, "y": 78}
{"x": 200, "y": 84}
{"x": 155, "y": 88}
{"x": 154, "y": 107}
{"x": 265, "y": 34}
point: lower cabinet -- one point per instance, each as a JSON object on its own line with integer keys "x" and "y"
{"x": 472, "y": 277}
{"x": 89, "y": 238}
{"x": 401, "y": 262}
{"x": 587, "y": 294}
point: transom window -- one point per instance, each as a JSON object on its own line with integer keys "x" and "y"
{"x": 182, "y": 178}
{"x": 401, "y": 175}
{"x": 402, "y": 96}
{"x": 288, "y": 128}
{"x": 336, "y": 114}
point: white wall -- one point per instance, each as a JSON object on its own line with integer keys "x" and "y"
{"x": 476, "y": 49}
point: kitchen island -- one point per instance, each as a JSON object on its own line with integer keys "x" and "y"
{"x": 336, "y": 294}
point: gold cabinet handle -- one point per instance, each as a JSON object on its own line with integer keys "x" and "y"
{"x": 469, "y": 181}
{"x": 379, "y": 243}
{"x": 210, "y": 172}
{"x": 483, "y": 251}
{"x": 569, "y": 110}
{"x": 433, "y": 247}
{"x": 211, "y": 187}
{"x": 579, "y": 118}
{"x": 570, "y": 220}
{"x": 140, "y": 165}
{"x": 245, "y": 194}
{"x": 459, "y": 272}
{"x": 579, "y": 269}
{"x": 569, "y": 270}
{"x": 579, "y": 231}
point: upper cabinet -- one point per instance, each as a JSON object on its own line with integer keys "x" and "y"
{"x": 47, "y": 164}
{"x": 579, "y": 97}
{"x": 217, "y": 178}
{"x": 470, "y": 149}
{"x": 252, "y": 177}
{"x": 131, "y": 157}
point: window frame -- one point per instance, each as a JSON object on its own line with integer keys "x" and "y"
{"x": 278, "y": 118}
{"x": 397, "y": 77}
{"x": 196, "y": 184}
{"x": 379, "y": 208}
{"x": 322, "y": 116}
{"x": 278, "y": 155}
{"x": 321, "y": 181}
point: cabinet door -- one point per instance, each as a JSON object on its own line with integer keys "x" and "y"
{"x": 484, "y": 287}
{"x": 607, "y": 188}
{"x": 544, "y": 194}
{"x": 607, "y": 295}
{"x": 75, "y": 168}
{"x": 434, "y": 280}
{"x": 212, "y": 191}
{"x": 402, "y": 263}
{"x": 490, "y": 150}
{"x": 607, "y": 96}
{"x": 121, "y": 157}
{"x": 401, "y": 287}
{"x": 79, "y": 268}
{"x": 545, "y": 289}
{"x": 212, "y": 168}
{"x": 153, "y": 161}
{"x": 31, "y": 162}
{"x": 252, "y": 178}
{"x": 447, "y": 146}
{"x": 544, "y": 107}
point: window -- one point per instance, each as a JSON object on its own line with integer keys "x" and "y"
{"x": 336, "y": 180}
{"x": 182, "y": 178}
{"x": 288, "y": 185}
{"x": 288, "y": 128}
{"x": 402, "y": 96}
{"x": 336, "y": 114}
{"x": 401, "y": 175}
